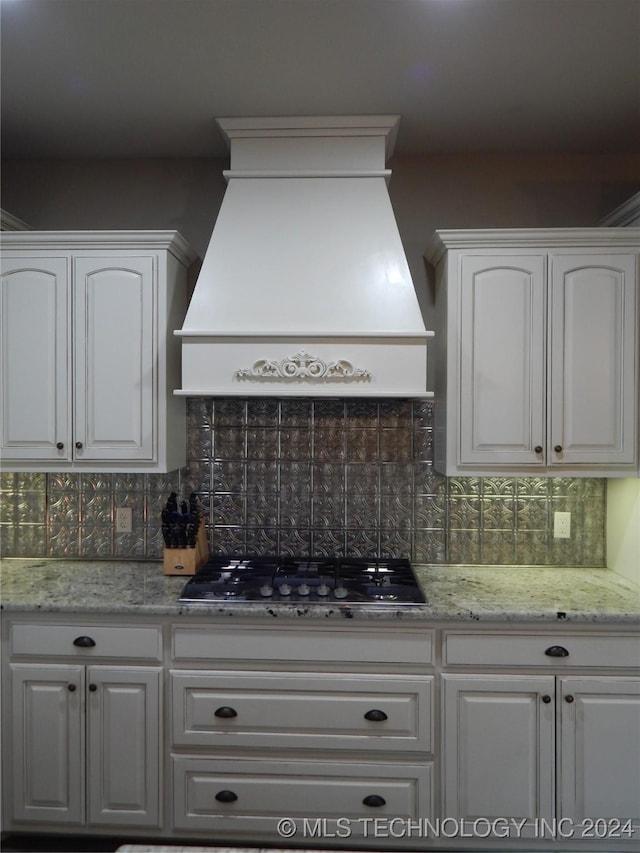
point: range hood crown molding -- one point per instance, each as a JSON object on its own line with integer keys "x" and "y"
{"x": 312, "y": 126}
{"x": 305, "y": 288}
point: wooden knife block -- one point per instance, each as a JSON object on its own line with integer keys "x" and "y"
{"x": 187, "y": 561}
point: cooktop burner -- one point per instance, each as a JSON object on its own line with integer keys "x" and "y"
{"x": 351, "y": 580}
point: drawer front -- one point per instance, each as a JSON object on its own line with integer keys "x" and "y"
{"x": 503, "y": 649}
{"x": 328, "y": 711}
{"x": 247, "y": 796}
{"x": 384, "y": 646}
{"x": 110, "y": 641}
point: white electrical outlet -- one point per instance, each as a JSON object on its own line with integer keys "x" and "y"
{"x": 562, "y": 525}
{"x": 123, "y": 519}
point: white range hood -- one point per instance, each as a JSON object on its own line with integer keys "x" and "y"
{"x": 305, "y": 289}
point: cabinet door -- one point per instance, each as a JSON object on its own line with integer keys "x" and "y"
{"x": 593, "y": 380}
{"x": 36, "y": 359}
{"x": 48, "y": 743}
{"x": 600, "y": 759}
{"x": 498, "y": 747}
{"x": 124, "y": 780}
{"x": 115, "y": 379}
{"x": 502, "y": 360}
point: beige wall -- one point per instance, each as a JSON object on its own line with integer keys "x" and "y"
{"x": 427, "y": 192}
{"x": 623, "y": 527}
{"x": 439, "y": 191}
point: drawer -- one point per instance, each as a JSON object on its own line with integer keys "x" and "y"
{"x": 311, "y": 644}
{"x": 327, "y": 711}
{"x": 111, "y": 641}
{"x": 249, "y": 795}
{"x": 461, "y": 648}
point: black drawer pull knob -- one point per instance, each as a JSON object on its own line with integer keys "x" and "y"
{"x": 78, "y": 445}
{"x": 558, "y": 448}
{"x": 538, "y": 448}
{"x": 84, "y": 642}
{"x": 375, "y": 801}
{"x": 546, "y": 699}
{"x": 568, "y": 699}
{"x": 93, "y": 688}
{"x": 60, "y": 445}
{"x": 375, "y": 716}
{"x": 557, "y": 652}
{"x": 226, "y": 712}
{"x": 71, "y": 688}
{"x": 226, "y": 797}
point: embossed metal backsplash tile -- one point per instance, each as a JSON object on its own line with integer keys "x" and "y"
{"x": 311, "y": 477}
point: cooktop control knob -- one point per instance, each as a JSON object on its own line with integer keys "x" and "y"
{"x": 323, "y": 589}
{"x": 284, "y": 589}
{"x": 340, "y": 592}
{"x": 266, "y": 590}
{"x": 304, "y": 589}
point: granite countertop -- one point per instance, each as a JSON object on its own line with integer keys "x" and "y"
{"x": 453, "y": 593}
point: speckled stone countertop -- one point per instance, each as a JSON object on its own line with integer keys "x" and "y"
{"x": 454, "y": 593}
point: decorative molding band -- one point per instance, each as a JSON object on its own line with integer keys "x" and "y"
{"x": 627, "y": 214}
{"x": 546, "y": 239}
{"x": 304, "y": 366}
{"x": 171, "y": 241}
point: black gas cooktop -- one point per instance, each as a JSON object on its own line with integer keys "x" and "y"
{"x": 339, "y": 580}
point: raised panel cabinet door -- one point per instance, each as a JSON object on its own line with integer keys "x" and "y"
{"x": 593, "y": 358}
{"x": 600, "y": 766}
{"x": 47, "y": 745}
{"x": 502, "y": 360}
{"x": 498, "y": 744}
{"x": 115, "y": 359}
{"x": 124, "y": 776}
{"x": 36, "y": 359}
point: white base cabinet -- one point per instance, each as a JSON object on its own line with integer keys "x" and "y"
{"x": 376, "y": 735}
{"x": 86, "y": 737}
{"x": 332, "y": 729}
{"x": 86, "y": 744}
{"x": 89, "y": 360}
{"x": 499, "y": 744}
{"x": 545, "y": 750}
{"x": 537, "y": 352}
{"x": 323, "y": 799}
{"x": 600, "y": 749}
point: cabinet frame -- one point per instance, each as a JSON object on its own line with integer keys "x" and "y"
{"x": 489, "y": 416}
{"x": 124, "y": 295}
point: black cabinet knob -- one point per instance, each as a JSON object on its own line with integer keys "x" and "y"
{"x": 556, "y": 652}
{"x": 93, "y": 688}
{"x": 375, "y": 716}
{"x": 546, "y": 699}
{"x": 558, "y": 448}
{"x": 374, "y": 800}
{"x": 226, "y": 712}
{"x": 71, "y": 688}
{"x": 568, "y": 699}
{"x": 78, "y": 445}
{"x": 538, "y": 448}
{"x": 60, "y": 445}
{"x": 226, "y": 797}
{"x": 84, "y": 642}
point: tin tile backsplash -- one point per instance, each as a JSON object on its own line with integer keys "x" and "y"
{"x": 315, "y": 477}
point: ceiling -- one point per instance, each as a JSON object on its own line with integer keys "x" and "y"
{"x": 146, "y": 78}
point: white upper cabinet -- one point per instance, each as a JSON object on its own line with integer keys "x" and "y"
{"x": 89, "y": 361}
{"x": 537, "y": 352}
